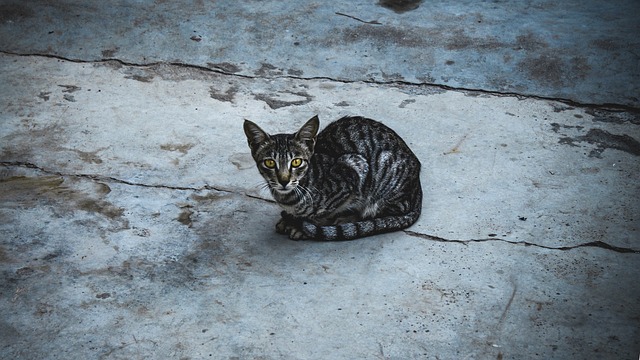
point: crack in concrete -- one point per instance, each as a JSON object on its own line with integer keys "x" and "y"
{"x": 111, "y": 179}
{"x": 95, "y": 177}
{"x": 598, "y": 244}
{"x": 217, "y": 70}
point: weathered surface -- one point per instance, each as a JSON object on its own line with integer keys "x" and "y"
{"x": 584, "y": 51}
{"x": 132, "y": 224}
{"x": 506, "y": 168}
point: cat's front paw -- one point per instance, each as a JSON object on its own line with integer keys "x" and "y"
{"x": 287, "y": 227}
{"x": 296, "y": 234}
{"x": 282, "y": 226}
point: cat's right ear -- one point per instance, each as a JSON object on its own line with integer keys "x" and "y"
{"x": 255, "y": 135}
{"x": 308, "y": 132}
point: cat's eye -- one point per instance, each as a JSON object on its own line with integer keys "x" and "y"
{"x": 269, "y": 163}
{"x": 296, "y": 162}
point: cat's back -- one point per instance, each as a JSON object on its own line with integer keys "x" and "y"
{"x": 356, "y": 134}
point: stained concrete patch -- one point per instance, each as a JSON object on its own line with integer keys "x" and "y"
{"x": 185, "y": 216}
{"x": 459, "y": 40}
{"x": 614, "y": 117}
{"x": 605, "y": 140}
{"x": 27, "y": 190}
{"x": 380, "y": 36}
{"x": 14, "y": 12}
{"x": 63, "y": 196}
{"x": 592, "y": 132}
{"x": 400, "y": 6}
{"x": 139, "y": 78}
{"x": 268, "y": 70}
{"x": 284, "y": 98}
{"x": 109, "y": 53}
{"x": 228, "y": 94}
{"x": 530, "y": 42}
{"x": 406, "y": 102}
{"x": 554, "y": 71}
{"x": 182, "y": 148}
{"x": 91, "y": 157}
{"x": 70, "y": 88}
{"x": 242, "y": 161}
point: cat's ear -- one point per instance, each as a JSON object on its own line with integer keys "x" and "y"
{"x": 308, "y": 132}
{"x": 255, "y": 135}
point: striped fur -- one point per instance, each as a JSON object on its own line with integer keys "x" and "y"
{"x": 355, "y": 178}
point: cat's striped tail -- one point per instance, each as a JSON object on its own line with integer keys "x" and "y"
{"x": 354, "y": 230}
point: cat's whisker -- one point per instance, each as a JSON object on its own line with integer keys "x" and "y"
{"x": 260, "y": 185}
{"x": 264, "y": 188}
{"x": 311, "y": 190}
{"x": 299, "y": 193}
{"x": 306, "y": 194}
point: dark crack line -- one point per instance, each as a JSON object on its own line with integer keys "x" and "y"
{"x": 573, "y": 103}
{"x": 374, "y": 22}
{"x": 110, "y": 179}
{"x": 597, "y": 244}
{"x": 131, "y": 64}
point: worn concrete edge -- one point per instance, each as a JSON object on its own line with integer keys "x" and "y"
{"x": 109, "y": 179}
{"x": 605, "y": 106}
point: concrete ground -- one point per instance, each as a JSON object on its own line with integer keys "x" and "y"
{"x": 132, "y": 224}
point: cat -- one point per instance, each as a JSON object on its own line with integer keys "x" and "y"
{"x": 355, "y": 178}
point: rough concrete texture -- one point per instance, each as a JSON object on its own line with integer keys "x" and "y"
{"x": 586, "y": 51}
{"x": 133, "y": 225}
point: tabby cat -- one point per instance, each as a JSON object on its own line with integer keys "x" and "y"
{"x": 355, "y": 178}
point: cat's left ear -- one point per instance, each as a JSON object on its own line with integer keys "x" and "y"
{"x": 255, "y": 135}
{"x": 308, "y": 132}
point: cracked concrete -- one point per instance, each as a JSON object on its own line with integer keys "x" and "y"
{"x": 133, "y": 224}
{"x": 587, "y": 53}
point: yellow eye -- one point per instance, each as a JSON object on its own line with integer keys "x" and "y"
{"x": 296, "y": 162}
{"x": 269, "y": 163}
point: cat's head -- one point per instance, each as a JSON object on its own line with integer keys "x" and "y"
{"x": 282, "y": 159}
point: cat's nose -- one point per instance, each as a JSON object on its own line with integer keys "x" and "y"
{"x": 284, "y": 182}
{"x": 283, "y": 179}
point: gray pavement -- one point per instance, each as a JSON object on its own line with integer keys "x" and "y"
{"x": 585, "y": 51}
{"x": 133, "y": 225}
